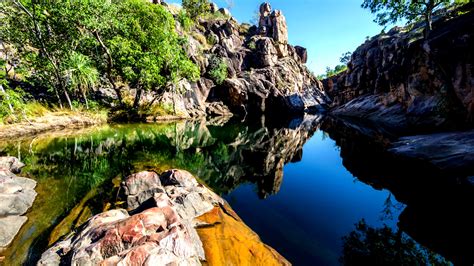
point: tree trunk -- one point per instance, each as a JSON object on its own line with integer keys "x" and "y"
{"x": 110, "y": 65}
{"x": 68, "y": 99}
{"x": 10, "y": 106}
{"x": 85, "y": 99}
{"x": 138, "y": 96}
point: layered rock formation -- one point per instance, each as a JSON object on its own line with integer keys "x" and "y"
{"x": 166, "y": 212}
{"x": 407, "y": 82}
{"x": 265, "y": 73}
{"x": 17, "y": 194}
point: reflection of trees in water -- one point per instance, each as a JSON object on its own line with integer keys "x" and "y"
{"x": 367, "y": 245}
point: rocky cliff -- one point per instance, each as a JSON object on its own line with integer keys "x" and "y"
{"x": 402, "y": 80}
{"x": 264, "y": 72}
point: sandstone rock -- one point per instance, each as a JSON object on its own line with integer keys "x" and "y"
{"x": 302, "y": 54}
{"x": 213, "y": 8}
{"x": 224, "y": 11}
{"x": 280, "y": 33}
{"x": 452, "y": 151}
{"x": 9, "y": 227}
{"x": 431, "y": 79}
{"x": 161, "y": 232}
{"x": 17, "y": 195}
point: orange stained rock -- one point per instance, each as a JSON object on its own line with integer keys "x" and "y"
{"x": 228, "y": 241}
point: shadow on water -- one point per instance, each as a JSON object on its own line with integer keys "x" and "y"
{"x": 438, "y": 204}
{"x": 78, "y": 174}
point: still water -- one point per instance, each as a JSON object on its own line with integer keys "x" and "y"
{"x": 311, "y": 188}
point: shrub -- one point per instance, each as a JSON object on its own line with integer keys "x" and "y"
{"x": 217, "y": 69}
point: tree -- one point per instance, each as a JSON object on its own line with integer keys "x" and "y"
{"x": 345, "y": 58}
{"x": 147, "y": 52}
{"x": 196, "y": 8}
{"x": 391, "y": 11}
{"x": 81, "y": 75}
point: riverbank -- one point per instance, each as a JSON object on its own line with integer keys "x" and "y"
{"x": 50, "y": 122}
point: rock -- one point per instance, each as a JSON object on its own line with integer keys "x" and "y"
{"x": 9, "y": 227}
{"x": 17, "y": 195}
{"x": 431, "y": 79}
{"x": 302, "y": 54}
{"x": 213, "y": 8}
{"x": 224, "y": 11}
{"x": 161, "y": 231}
{"x": 218, "y": 109}
{"x": 453, "y": 151}
{"x": 264, "y": 73}
{"x": 280, "y": 33}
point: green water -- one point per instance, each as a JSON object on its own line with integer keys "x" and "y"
{"x": 290, "y": 183}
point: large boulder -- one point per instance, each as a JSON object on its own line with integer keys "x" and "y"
{"x": 17, "y": 195}
{"x": 166, "y": 213}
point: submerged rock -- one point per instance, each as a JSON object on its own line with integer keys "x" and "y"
{"x": 452, "y": 151}
{"x": 17, "y": 195}
{"x": 160, "y": 228}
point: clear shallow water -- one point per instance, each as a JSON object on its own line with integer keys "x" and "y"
{"x": 293, "y": 183}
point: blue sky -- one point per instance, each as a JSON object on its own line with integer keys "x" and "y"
{"x": 327, "y": 28}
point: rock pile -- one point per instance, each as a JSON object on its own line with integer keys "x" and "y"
{"x": 165, "y": 214}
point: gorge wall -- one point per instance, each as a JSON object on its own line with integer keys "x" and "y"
{"x": 265, "y": 73}
{"x": 408, "y": 83}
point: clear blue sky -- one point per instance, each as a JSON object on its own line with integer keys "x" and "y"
{"x": 327, "y": 28}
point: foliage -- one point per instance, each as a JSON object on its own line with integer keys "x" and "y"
{"x": 184, "y": 20}
{"x": 345, "y": 58}
{"x": 392, "y": 11}
{"x": 196, "y": 8}
{"x": 383, "y": 246}
{"x": 217, "y": 69}
{"x": 67, "y": 46}
{"x": 332, "y": 72}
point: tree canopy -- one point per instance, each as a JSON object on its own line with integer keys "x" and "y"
{"x": 67, "y": 46}
{"x": 392, "y": 11}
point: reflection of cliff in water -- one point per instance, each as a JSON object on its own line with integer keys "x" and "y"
{"x": 439, "y": 204}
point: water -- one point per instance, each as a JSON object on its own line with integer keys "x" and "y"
{"x": 302, "y": 185}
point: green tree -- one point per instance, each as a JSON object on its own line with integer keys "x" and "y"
{"x": 81, "y": 75}
{"x": 196, "y": 8}
{"x": 147, "y": 52}
{"x": 391, "y": 11}
{"x": 217, "y": 69}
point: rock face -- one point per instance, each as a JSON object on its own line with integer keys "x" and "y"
{"x": 428, "y": 83}
{"x": 448, "y": 151}
{"x": 264, "y": 72}
{"x": 17, "y": 194}
{"x": 160, "y": 228}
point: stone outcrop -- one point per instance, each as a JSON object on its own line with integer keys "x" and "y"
{"x": 264, "y": 71}
{"x": 165, "y": 214}
{"x": 17, "y": 195}
{"x": 427, "y": 84}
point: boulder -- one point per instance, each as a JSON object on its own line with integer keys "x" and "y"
{"x": 17, "y": 195}
{"x": 161, "y": 231}
{"x": 302, "y": 54}
{"x": 213, "y": 8}
{"x": 280, "y": 33}
{"x": 224, "y": 11}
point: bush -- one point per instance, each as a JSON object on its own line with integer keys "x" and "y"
{"x": 217, "y": 69}
{"x": 196, "y": 8}
{"x": 184, "y": 20}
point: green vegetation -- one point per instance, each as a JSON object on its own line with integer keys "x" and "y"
{"x": 66, "y": 49}
{"x": 392, "y": 11}
{"x": 217, "y": 69}
{"x": 196, "y": 8}
{"x": 330, "y": 72}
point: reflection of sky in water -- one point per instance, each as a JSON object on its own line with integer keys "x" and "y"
{"x": 318, "y": 203}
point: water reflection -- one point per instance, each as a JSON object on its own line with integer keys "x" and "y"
{"x": 438, "y": 204}
{"x": 304, "y": 215}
